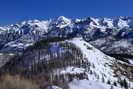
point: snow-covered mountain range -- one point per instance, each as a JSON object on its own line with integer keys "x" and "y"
{"x": 109, "y": 35}
{"x": 96, "y": 38}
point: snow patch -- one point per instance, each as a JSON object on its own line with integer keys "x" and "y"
{"x": 73, "y": 70}
{"x": 85, "y": 84}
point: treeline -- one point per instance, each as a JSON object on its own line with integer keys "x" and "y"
{"x": 122, "y": 57}
{"x": 45, "y": 57}
{"x": 46, "y": 41}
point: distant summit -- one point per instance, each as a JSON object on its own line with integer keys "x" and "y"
{"x": 107, "y": 34}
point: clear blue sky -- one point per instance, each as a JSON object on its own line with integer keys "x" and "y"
{"x": 13, "y": 11}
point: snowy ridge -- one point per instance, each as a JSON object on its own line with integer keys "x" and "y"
{"x": 99, "y": 62}
{"x": 106, "y": 30}
{"x": 100, "y": 67}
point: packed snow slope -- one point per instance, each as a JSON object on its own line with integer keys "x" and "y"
{"x": 85, "y": 84}
{"x": 102, "y": 67}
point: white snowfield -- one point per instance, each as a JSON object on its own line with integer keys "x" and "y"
{"x": 73, "y": 70}
{"x": 131, "y": 61}
{"x": 53, "y": 87}
{"x": 85, "y": 84}
{"x": 99, "y": 62}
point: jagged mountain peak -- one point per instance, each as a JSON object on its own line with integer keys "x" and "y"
{"x": 62, "y": 18}
{"x": 118, "y": 22}
{"x": 89, "y": 28}
{"x": 61, "y": 22}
